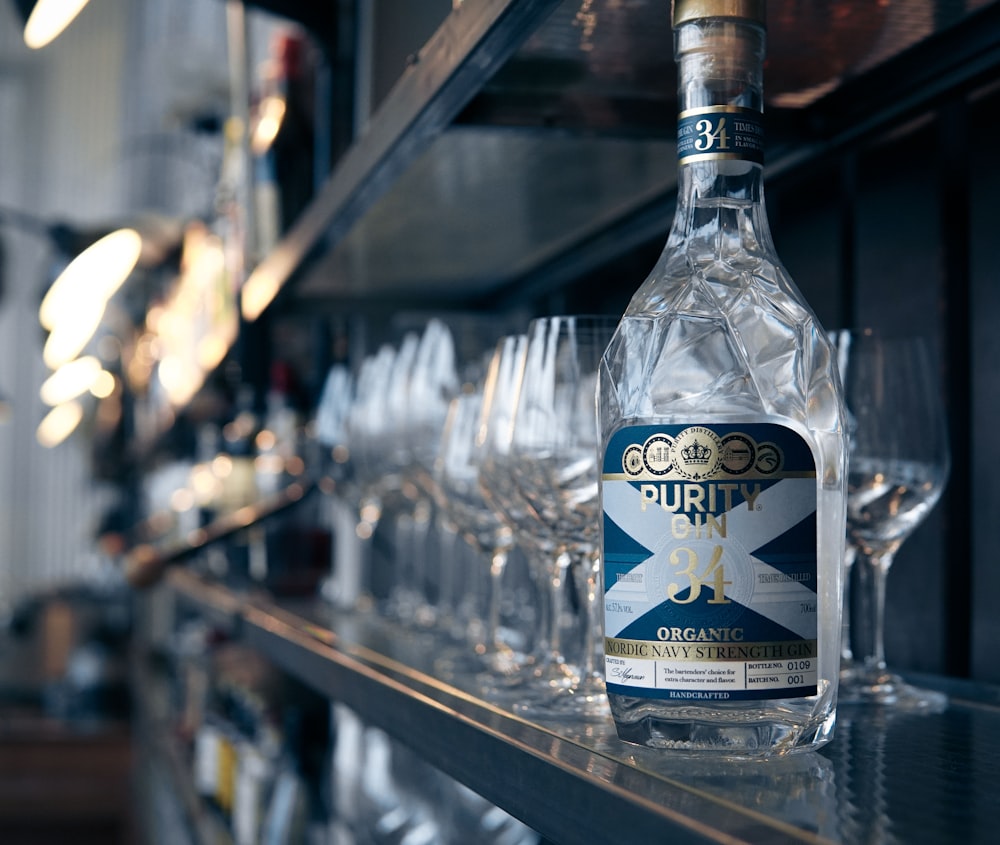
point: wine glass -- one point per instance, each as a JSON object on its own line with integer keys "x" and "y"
{"x": 368, "y": 434}
{"x": 380, "y": 450}
{"x": 897, "y": 468}
{"x": 343, "y": 588}
{"x": 479, "y": 525}
{"x": 431, "y": 381}
{"x": 449, "y": 359}
{"x": 367, "y": 482}
{"x": 541, "y": 666}
{"x": 553, "y": 459}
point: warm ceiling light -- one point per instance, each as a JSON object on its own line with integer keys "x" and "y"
{"x": 48, "y": 19}
{"x": 71, "y": 380}
{"x": 179, "y": 378}
{"x": 93, "y": 276}
{"x": 58, "y": 424}
{"x": 68, "y": 339}
{"x": 270, "y": 114}
{"x": 104, "y": 385}
{"x": 260, "y": 288}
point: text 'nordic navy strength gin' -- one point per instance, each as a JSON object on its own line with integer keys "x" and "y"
{"x": 723, "y": 447}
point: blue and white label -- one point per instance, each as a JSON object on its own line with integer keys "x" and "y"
{"x": 710, "y": 561}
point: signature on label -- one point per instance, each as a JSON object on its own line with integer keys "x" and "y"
{"x": 624, "y": 673}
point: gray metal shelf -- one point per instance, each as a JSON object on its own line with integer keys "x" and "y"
{"x": 885, "y": 777}
{"x": 530, "y": 140}
{"x": 465, "y": 51}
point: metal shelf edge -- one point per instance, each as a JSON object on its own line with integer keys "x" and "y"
{"x": 565, "y": 790}
{"x": 470, "y": 45}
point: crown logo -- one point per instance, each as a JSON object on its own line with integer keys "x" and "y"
{"x": 696, "y": 453}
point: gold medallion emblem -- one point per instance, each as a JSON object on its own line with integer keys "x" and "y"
{"x": 697, "y": 453}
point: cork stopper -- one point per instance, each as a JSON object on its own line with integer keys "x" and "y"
{"x": 689, "y": 10}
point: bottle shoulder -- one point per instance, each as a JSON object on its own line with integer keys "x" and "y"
{"x": 692, "y": 275}
{"x": 717, "y": 339}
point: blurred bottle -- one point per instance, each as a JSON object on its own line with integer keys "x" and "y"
{"x": 278, "y": 441}
{"x": 235, "y": 465}
{"x": 295, "y": 812}
{"x": 238, "y": 435}
{"x": 298, "y": 541}
{"x": 282, "y": 137}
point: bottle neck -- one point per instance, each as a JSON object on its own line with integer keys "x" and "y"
{"x": 720, "y": 139}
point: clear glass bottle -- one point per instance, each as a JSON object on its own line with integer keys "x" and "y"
{"x": 723, "y": 447}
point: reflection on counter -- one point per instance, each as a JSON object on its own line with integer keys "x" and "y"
{"x": 269, "y": 761}
{"x": 911, "y": 777}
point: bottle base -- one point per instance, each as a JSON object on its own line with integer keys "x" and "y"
{"x": 750, "y": 732}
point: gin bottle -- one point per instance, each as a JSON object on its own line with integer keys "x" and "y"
{"x": 723, "y": 447}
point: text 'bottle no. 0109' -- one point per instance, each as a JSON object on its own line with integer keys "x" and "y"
{"x": 723, "y": 447}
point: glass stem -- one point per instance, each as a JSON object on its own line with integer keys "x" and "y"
{"x": 538, "y": 569}
{"x": 448, "y": 608}
{"x": 846, "y": 653}
{"x": 557, "y": 585}
{"x": 498, "y": 563}
{"x": 589, "y": 565}
{"x": 421, "y": 588}
{"x": 867, "y": 596}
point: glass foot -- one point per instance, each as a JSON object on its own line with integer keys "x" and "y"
{"x": 585, "y": 700}
{"x": 506, "y": 677}
{"x": 867, "y": 687}
{"x": 479, "y": 669}
{"x": 458, "y": 666}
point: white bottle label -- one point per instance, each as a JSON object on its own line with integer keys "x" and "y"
{"x": 710, "y": 562}
{"x": 206, "y": 760}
